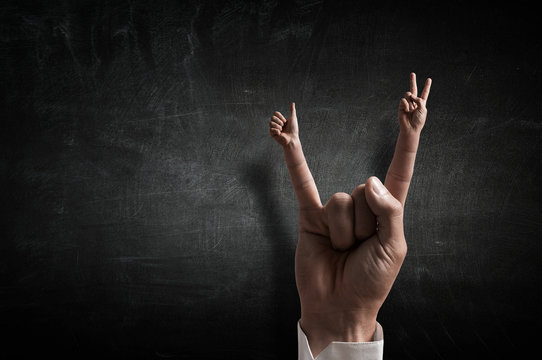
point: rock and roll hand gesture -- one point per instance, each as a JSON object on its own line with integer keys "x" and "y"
{"x": 351, "y": 249}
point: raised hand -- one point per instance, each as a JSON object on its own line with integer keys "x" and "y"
{"x": 412, "y": 110}
{"x": 284, "y": 130}
{"x": 351, "y": 249}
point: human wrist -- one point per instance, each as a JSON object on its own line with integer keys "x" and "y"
{"x": 293, "y": 153}
{"x": 293, "y": 144}
{"x": 408, "y": 140}
{"x": 350, "y": 326}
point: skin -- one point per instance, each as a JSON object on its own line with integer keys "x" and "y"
{"x": 351, "y": 249}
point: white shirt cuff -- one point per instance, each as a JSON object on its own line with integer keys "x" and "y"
{"x": 372, "y": 350}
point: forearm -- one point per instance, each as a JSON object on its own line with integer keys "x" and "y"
{"x": 300, "y": 175}
{"x": 402, "y": 165}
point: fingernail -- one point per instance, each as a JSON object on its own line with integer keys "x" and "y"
{"x": 378, "y": 188}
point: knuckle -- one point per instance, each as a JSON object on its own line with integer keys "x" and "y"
{"x": 397, "y": 209}
{"x": 394, "y": 208}
{"x": 340, "y": 200}
{"x": 359, "y": 193}
{"x": 360, "y": 189}
{"x": 341, "y": 196}
{"x": 277, "y": 120}
{"x": 395, "y": 250}
{"x": 400, "y": 250}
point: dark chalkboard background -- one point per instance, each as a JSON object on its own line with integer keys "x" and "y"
{"x": 147, "y": 213}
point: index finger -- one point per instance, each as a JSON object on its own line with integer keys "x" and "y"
{"x": 426, "y": 88}
{"x": 413, "y": 86}
{"x": 280, "y": 116}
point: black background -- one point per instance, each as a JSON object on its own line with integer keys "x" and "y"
{"x": 147, "y": 213}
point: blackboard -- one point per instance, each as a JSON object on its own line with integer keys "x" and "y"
{"x": 147, "y": 213}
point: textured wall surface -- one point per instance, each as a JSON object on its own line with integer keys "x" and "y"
{"x": 147, "y": 213}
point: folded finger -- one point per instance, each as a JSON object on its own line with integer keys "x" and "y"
{"x": 274, "y": 125}
{"x": 403, "y": 105}
{"x": 280, "y": 116}
{"x": 418, "y": 101}
{"x": 408, "y": 96}
{"x": 277, "y": 120}
{"x": 340, "y": 215}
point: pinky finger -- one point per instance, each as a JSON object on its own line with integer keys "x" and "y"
{"x": 274, "y": 132}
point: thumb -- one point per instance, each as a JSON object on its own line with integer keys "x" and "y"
{"x": 292, "y": 109}
{"x": 389, "y": 214}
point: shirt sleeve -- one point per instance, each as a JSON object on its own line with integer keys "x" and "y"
{"x": 371, "y": 350}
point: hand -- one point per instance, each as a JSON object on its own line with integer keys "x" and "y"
{"x": 350, "y": 250}
{"x": 412, "y": 110}
{"x": 284, "y": 130}
{"x": 342, "y": 277}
